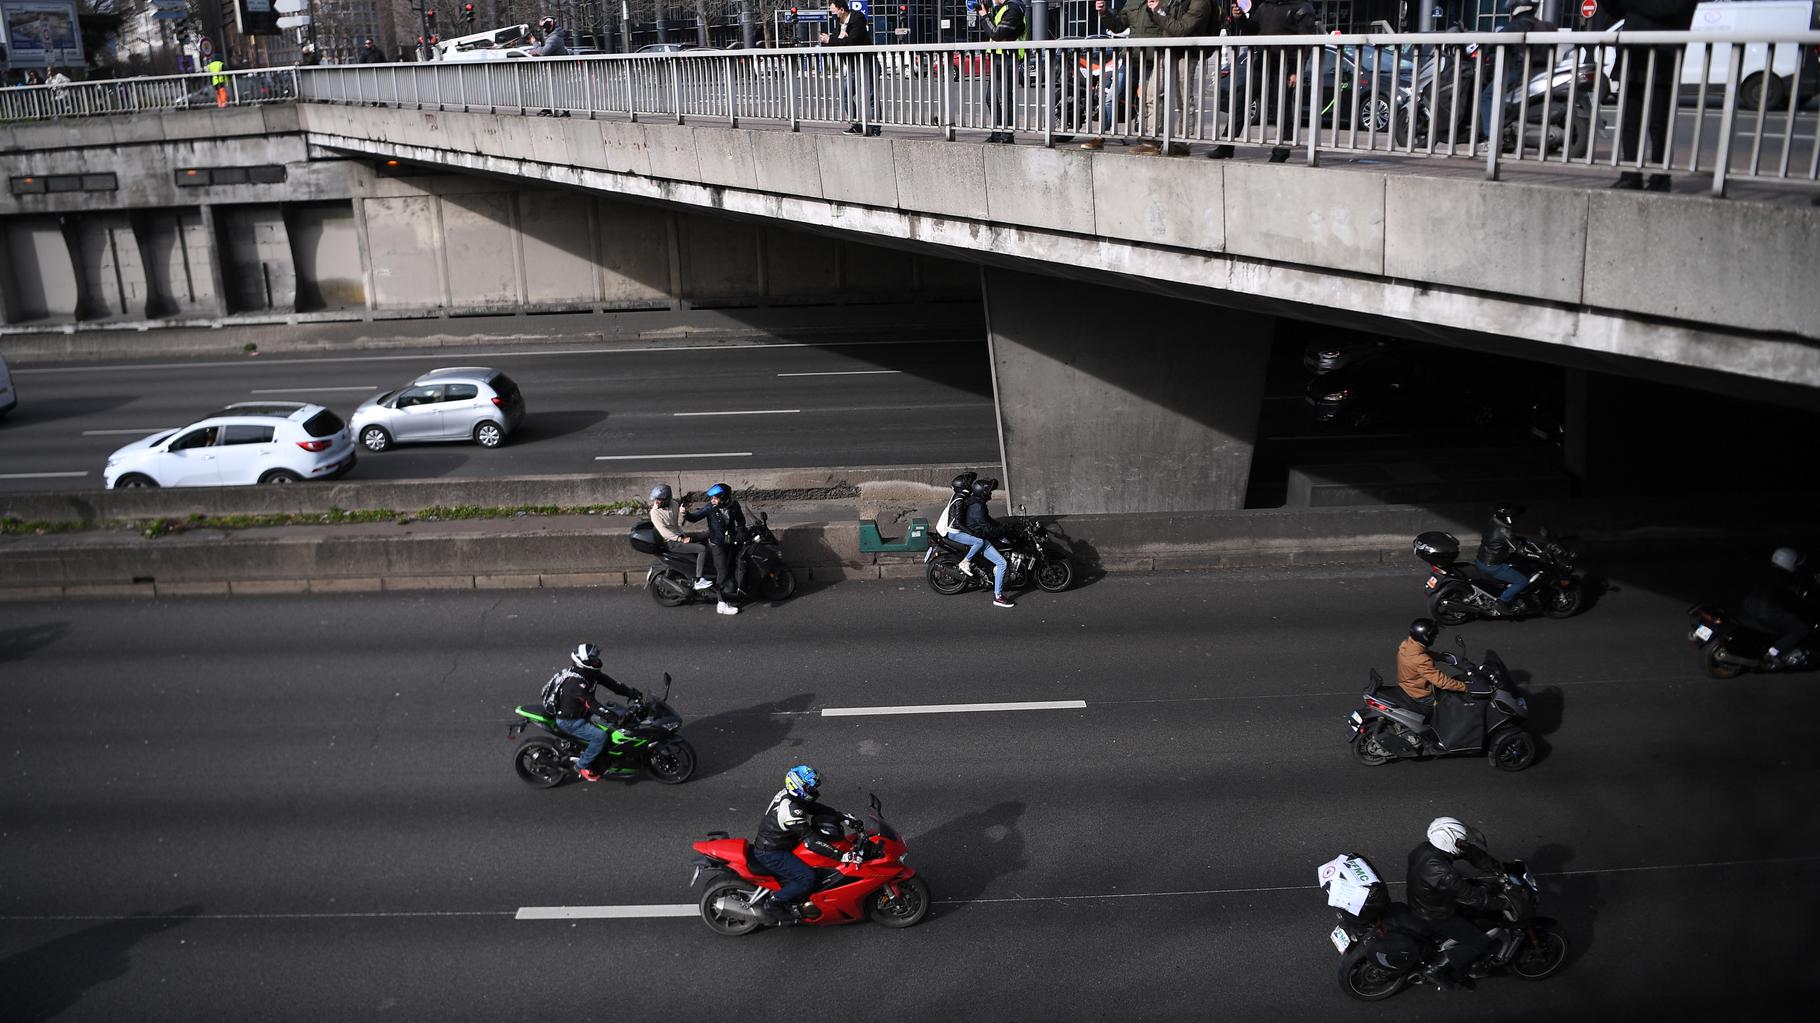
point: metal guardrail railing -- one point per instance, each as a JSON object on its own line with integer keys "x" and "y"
{"x": 1730, "y": 105}
{"x": 145, "y": 95}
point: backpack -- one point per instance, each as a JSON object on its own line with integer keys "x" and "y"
{"x": 954, "y": 516}
{"x": 552, "y": 691}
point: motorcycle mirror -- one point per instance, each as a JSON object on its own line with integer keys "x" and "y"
{"x": 872, "y": 801}
{"x": 1461, "y": 641}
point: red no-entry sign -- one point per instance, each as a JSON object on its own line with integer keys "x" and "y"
{"x": 1588, "y": 8}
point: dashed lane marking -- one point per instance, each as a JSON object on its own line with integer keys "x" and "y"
{"x": 699, "y": 454}
{"x": 846, "y": 373}
{"x": 745, "y": 412}
{"x": 953, "y": 708}
{"x": 39, "y": 475}
{"x": 123, "y": 433}
{"x": 605, "y": 912}
{"x": 298, "y": 390}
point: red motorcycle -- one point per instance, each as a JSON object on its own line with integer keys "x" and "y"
{"x": 868, "y": 879}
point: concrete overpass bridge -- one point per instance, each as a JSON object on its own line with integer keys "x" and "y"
{"x": 1130, "y": 300}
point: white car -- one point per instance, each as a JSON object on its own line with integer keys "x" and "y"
{"x": 9, "y": 398}
{"x": 253, "y": 442}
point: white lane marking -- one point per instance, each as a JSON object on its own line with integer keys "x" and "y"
{"x": 444, "y": 355}
{"x": 704, "y": 454}
{"x": 294, "y": 390}
{"x": 39, "y": 475}
{"x": 122, "y": 433}
{"x": 953, "y": 708}
{"x": 746, "y": 412}
{"x": 845, "y": 373}
{"x": 605, "y": 912}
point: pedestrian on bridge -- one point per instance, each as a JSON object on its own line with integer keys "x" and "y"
{"x": 861, "y": 73}
{"x": 1009, "y": 24}
{"x": 1639, "y": 75}
{"x": 219, "y": 79}
{"x": 1164, "y": 74}
{"x": 1276, "y": 18}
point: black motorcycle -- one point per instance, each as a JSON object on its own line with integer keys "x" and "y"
{"x": 758, "y": 567}
{"x": 1729, "y": 647}
{"x": 1488, "y": 718}
{"x": 1031, "y": 553}
{"x": 1383, "y": 947}
{"x": 1459, "y": 592}
{"x": 646, "y": 739}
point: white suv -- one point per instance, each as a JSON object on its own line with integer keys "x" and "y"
{"x": 253, "y": 442}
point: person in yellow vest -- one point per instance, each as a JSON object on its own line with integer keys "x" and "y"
{"x": 219, "y": 80}
{"x": 1008, "y": 24}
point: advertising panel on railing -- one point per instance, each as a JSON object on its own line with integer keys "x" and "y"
{"x": 255, "y": 17}
{"x": 42, "y": 33}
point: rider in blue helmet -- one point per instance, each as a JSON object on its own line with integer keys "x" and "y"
{"x": 790, "y": 821}
{"x": 726, "y": 528}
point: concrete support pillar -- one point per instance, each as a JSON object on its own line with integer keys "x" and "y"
{"x": 1115, "y": 401}
{"x": 70, "y": 225}
{"x": 211, "y": 233}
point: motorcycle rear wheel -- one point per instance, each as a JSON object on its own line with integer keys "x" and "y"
{"x": 907, "y": 910}
{"x": 726, "y": 923}
{"x": 1365, "y": 980}
{"x": 1564, "y": 603}
{"x": 1367, "y": 740}
{"x": 1442, "y": 613}
{"x": 1055, "y": 576}
{"x": 670, "y": 589}
{"x": 1542, "y": 959}
{"x": 1512, "y": 751}
{"x": 945, "y": 577}
{"x": 672, "y": 762}
{"x": 539, "y": 763}
{"x": 1715, "y": 668}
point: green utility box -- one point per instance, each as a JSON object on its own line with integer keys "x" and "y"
{"x": 915, "y": 541}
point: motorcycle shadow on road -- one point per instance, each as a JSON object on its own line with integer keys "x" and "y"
{"x": 1547, "y": 707}
{"x": 964, "y": 856}
{"x": 1571, "y": 898}
{"x": 42, "y": 982}
{"x": 1088, "y": 569}
{"x": 726, "y": 741}
{"x": 18, "y": 644}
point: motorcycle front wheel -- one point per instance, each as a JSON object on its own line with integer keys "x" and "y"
{"x": 779, "y": 584}
{"x": 731, "y": 924}
{"x": 1441, "y": 608}
{"x": 1364, "y": 979}
{"x": 671, "y": 762}
{"x": 908, "y": 909}
{"x": 1541, "y": 958}
{"x": 945, "y": 577}
{"x": 539, "y": 763}
{"x": 1512, "y": 751}
{"x": 1564, "y": 603}
{"x": 1055, "y": 576}
{"x": 1715, "y": 668}
{"x": 670, "y": 589}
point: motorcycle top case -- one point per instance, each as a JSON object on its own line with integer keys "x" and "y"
{"x": 645, "y": 540}
{"x": 1353, "y": 886}
{"x": 1437, "y": 548}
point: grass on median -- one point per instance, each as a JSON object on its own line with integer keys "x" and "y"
{"x": 153, "y": 528}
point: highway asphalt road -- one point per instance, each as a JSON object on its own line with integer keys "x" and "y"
{"x": 591, "y": 408}
{"x": 303, "y": 808}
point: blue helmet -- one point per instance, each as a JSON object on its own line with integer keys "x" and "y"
{"x": 720, "y": 490}
{"x": 803, "y": 782}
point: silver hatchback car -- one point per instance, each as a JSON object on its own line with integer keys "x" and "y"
{"x": 455, "y": 403}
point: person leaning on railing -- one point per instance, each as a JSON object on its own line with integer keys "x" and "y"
{"x": 1158, "y": 19}
{"x": 1639, "y": 76}
{"x": 1274, "y": 18}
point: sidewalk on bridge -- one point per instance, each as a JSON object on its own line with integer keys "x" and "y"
{"x": 821, "y": 543}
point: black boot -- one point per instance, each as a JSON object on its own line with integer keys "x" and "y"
{"x": 1279, "y": 154}
{"x": 1629, "y": 181}
{"x": 1658, "y": 183}
{"x": 1220, "y": 153}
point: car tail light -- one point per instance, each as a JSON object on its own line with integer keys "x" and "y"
{"x": 313, "y": 445}
{"x": 498, "y": 402}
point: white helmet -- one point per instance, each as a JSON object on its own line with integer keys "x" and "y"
{"x": 1448, "y": 834}
{"x": 1786, "y": 558}
{"x": 587, "y": 655}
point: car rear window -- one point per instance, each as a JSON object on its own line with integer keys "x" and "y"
{"x": 323, "y": 424}
{"x": 234, "y": 434}
{"x": 503, "y": 386}
{"x": 461, "y": 392}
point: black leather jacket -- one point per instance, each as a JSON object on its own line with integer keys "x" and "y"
{"x": 1438, "y": 885}
{"x": 788, "y": 821}
{"x": 1500, "y": 541}
{"x": 726, "y": 524}
{"x": 577, "y": 694}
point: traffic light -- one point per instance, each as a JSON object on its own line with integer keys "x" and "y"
{"x": 467, "y": 14}
{"x": 792, "y": 18}
{"x": 429, "y": 20}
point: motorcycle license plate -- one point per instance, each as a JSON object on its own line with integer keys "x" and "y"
{"x": 1703, "y": 633}
{"x": 1353, "y": 724}
{"x": 1341, "y": 940}
{"x": 1433, "y": 581}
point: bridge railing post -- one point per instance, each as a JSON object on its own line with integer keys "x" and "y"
{"x": 589, "y": 68}
{"x": 631, "y": 65}
{"x": 1494, "y": 118}
{"x": 676, "y": 87}
{"x": 792, "y": 68}
{"x": 1728, "y": 115}
{"x": 732, "y": 112}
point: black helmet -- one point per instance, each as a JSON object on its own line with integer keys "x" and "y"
{"x": 964, "y": 481}
{"x": 1423, "y": 631}
{"x": 982, "y": 489}
{"x": 1507, "y": 513}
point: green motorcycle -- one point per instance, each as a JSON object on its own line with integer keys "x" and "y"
{"x": 646, "y": 739}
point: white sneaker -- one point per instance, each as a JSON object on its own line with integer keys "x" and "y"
{"x": 727, "y": 609}
{"x": 704, "y": 584}
{"x": 966, "y": 567}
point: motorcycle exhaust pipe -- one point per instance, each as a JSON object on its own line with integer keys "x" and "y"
{"x": 733, "y": 905}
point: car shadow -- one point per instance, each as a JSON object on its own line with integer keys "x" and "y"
{"x": 45, "y": 981}
{"x": 541, "y": 426}
{"x": 408, "y": 462}
{"x": 970, "y": 852}
{"x": 29, "y": 413}
{"x": 726, "y": 741}
{"x": 17, "y": 644}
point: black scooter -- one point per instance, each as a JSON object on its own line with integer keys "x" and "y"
{"x": 1728, "y": 647}
{"x": 1488, "y": 718}
{"x": 758, "y": 567}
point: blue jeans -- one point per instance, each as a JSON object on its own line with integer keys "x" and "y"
{"x": 998, "y": 569}
{"x": 1518, "y": 582}
{"x": 973, "y": 543}
{"x": 1494, "y": 93}
{"x": 798, "y": 877}
{"x": 589, "y": 732}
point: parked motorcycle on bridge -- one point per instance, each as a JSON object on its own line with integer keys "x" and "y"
{"x": 1031, "y": 553}
{"x": 868, "y": 881}
{"x": 758, "y": 567}
{"x": 647, "y": 739}
{"x": 1488, "y": 718}
{"x": 1729, "y": 647}
{"x": 1459, "y": 592}
{"x": 1383, "y": 949}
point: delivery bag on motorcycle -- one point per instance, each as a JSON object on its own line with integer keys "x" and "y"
{"x": 1353, "y": 886}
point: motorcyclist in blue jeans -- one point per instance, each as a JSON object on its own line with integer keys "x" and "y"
{"x": 981, "y": 524}
{"x": 576, "y": 706}
{"x": 1495, "y": 549}
{"x": 788, "y": 822}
